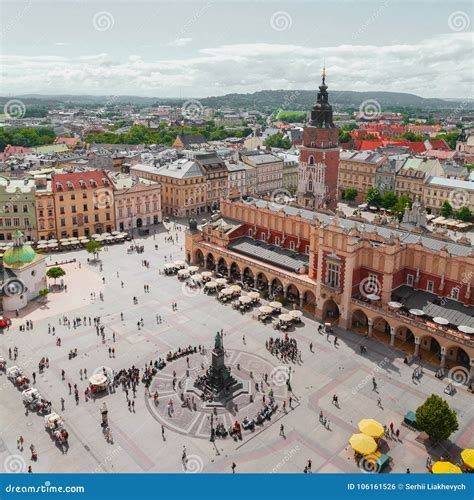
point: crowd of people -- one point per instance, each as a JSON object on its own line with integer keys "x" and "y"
{"x": 286, "y": 349}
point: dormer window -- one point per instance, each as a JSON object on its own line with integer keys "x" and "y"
{"x": 59, "y": 186}
{"x": 70, "y": 185}
{"x": 82, "y": 183}
{"x": 93, "y": 183}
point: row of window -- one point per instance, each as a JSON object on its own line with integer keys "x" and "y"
{"x": 14, "y": 222}
{"x": 7, "y": 208}
{"x": 277, "y": 241}
{"x": 430, "y": 287}
{"x": 62, "y": 221}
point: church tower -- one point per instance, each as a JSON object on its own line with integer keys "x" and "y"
{"x": 319, "y": 156}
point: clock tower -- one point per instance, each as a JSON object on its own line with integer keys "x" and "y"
{"x": 319, "y": 156}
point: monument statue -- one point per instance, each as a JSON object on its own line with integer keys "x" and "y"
{"x": 218, "y": 341}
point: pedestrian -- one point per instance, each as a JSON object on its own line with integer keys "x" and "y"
{"x": 397, "y": 433}
{"x": 113, "y": 352}
{"x": 311, "y": 347}
{"x": 309, "y": 465}
{"x": 30, "y": 470}
{"x": 20, "y": 443}
{"x": 374, "y": 384}
{"x": 379, "y": 403}
{"x": 34, "y": 377}
{"x": 133, "y": 405}
{"x": 62, "y": 404}
{"x": 233, "y": 466}
{"x": 163, "y": 431}
{"x": 282, "y": 430}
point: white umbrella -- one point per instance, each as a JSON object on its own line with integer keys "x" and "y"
{"x": 193, "y": 269}
{"x": 245, "y": 299}
{"x": 52, "y": 245}
{"x": 466, "y": 329}
{"x": 265, "y": 309}
{"x": 417, "y": 312}
{"x": 395, "y": 305}
{"x": 66, "y": 243}
{"x": 115, "y": 233}
{"x": 53, "y": 240}
{"x": 254, "y": 295}
{"x": 98, "y": 379}
{"x": 106, "y": 234}
{"x": 285, "y": 318}
{"x": 206, "y": 274}
{"x": 196, "y": 277}
{"x": 63, "y": 240}
{"x": 210, "y": 284}
{"x": 235, "y": 288}
{"x": 221, "y": 281}
{"x": 227, "y": 291}
{"x": 95, "y": 236}
{"x": 169, "y": 266}
{"x": 275, "y": 305}
{"x": 295, "y": 314}
{"x": 179, "y": 263}
{"x": 441, "y": 321}
{"x": 183, "y": 273}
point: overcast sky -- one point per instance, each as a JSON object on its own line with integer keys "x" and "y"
{"x": 203, "y": 48}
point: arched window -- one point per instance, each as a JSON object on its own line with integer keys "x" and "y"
{"x": 311, "y": 160}
{"x": 310, "y": 185}
{"x": 292, "y": 245}
{"x": 455, "y": 293}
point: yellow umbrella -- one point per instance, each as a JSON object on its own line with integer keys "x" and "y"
{"x": 371, "y": 428}
{"x": 445, "y": 468}
{"x": 467, "y": 456}
{"x": 363, "y": 444}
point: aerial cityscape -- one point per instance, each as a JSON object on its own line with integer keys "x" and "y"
{"x": 236, "y": 250}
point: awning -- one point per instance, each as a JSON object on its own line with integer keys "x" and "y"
{"x": 371, "y": 428}
{"x": 441, "y": 321}
{"x": 363, "y": 444}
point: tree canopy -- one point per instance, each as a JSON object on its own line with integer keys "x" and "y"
{"x": 350, "y": 194}
{"x": 55, "y": 273}
{"x": 277, "y": 141}
{"x": 446, "y": 210}
{"x": 436, "y": 418}
{"x": 27, "y": 137}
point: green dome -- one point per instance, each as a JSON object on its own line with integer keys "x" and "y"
{"x": 19, "y": 255}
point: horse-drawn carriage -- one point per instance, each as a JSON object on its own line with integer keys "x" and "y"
{"x": 54, "y": 424}
{"x": 16, "y": 375}
{"x": 30, "y": 396}
{"x": 3, "y": 364}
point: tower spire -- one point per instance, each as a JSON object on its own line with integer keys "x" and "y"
{"x": 323, "y": 74}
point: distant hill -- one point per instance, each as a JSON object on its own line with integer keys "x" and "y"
{"x": 265, "y": 100}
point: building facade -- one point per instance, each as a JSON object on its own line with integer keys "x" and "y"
{"x": 17, "y": 208}
{"x": 268, "y": 171}
{"x": 348, "y": 274}
{"x": 84, "y": 203}
{"x": 358, "y": 170}
{"x": 137, "y": 202}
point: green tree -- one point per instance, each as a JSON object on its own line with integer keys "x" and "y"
{"x": 463, "y": 214}
{"x": 94, "y": 247}
{"x": 373, "y": 197}
{"x": 436, "y": 418}
{"x": 389, "y": 200}
{"x": 55, "y": 273}
{"x": 411, "y": 136}
{"x": 399, "y": 208}
{"x": 277, "y": 141}
{"x": 43, "y": 294}
{"x": 350, "y": 194}
{"x": 344, "y": 136}
{"x": 446, "y": 209}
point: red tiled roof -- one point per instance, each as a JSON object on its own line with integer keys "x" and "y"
{"x": 439, "y": 153}
{"x": 439, "y": 144}
{"x": 363, "y": 145}
{"x": 69, "y": 141}
{"x": 99, "y": 179}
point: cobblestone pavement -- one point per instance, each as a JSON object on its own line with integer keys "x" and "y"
{"x": 138, "y": 444}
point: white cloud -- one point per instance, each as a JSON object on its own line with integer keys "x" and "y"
{"x": 435, "y": 67}
{"x": 179, "y": 42}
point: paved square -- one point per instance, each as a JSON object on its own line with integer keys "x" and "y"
{"x": 138, "y": 444}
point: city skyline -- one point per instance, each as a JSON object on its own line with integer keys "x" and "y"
{"x": 199, "y": 49}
